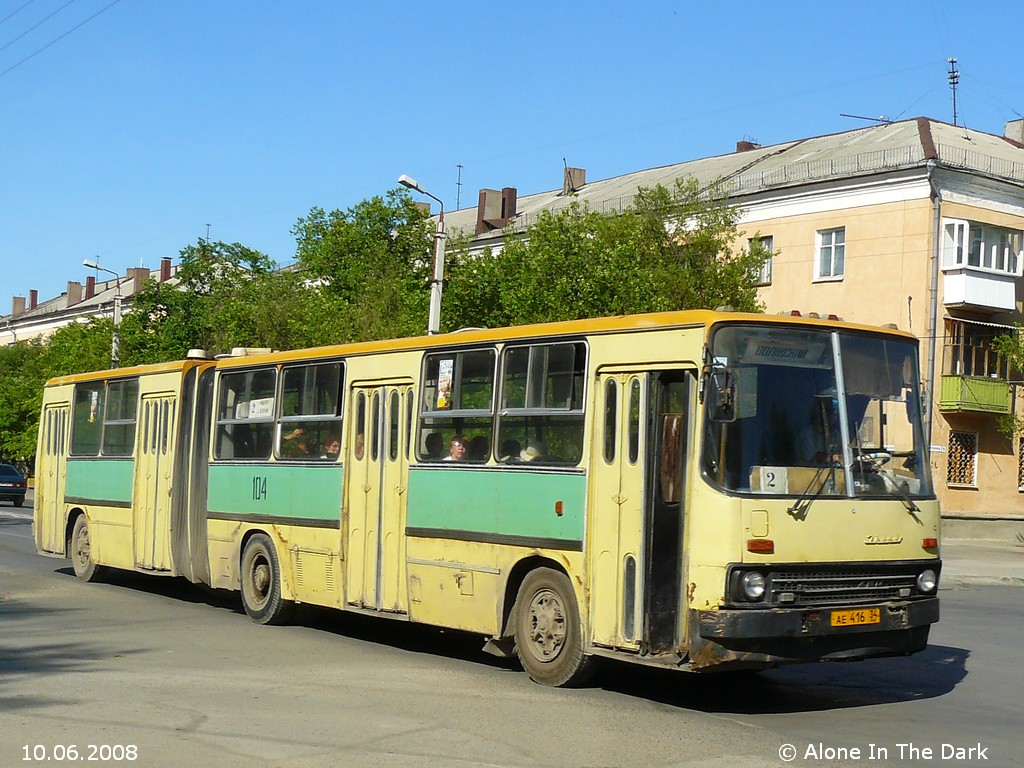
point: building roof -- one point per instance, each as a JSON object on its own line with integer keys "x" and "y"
{"x": 860, "y": 152}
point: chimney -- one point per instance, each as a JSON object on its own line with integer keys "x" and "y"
{"x": 138, "y": 276}
{"x": 488, "y": 210}
{"x": 1014, "y": 131}
{"x": 746, "y": 146}
{"x": 495, "y": 209}
{"x": 165, "y": 269}
{"x": 573, "y": 180}
{"x": 90, "y": 287}
{"x": 18, "y": 306}
{"x": 508, "y": 204}
{"x": 33, "y": 299}
{"x": 74, "y": 292}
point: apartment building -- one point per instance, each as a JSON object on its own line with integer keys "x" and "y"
{"x": 915, "y": 223}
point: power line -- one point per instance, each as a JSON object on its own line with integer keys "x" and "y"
{"x": 19, "y": 8}
{"x": 61, "y": 37}
{"x": 36, "y": 25}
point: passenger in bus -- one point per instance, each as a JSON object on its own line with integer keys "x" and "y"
{"x": 332, "y": 446}
{"x": 360, "y": 443}
{"x": 510, "y": 451}
{"x": 479, "y": 447}
{"x": 457, "y": 449}
{"x": 433, "y": 446}
{"x": 295, "y": 444}
{"x": 535, "y": 450}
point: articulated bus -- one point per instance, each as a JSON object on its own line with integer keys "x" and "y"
{"x": 696, "y": 490}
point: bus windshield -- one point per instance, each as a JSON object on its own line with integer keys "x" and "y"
{"x": 807, "y": 411}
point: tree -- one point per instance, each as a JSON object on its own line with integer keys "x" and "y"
{"x": 674, "y": 249}
{"x": 226, "y": 295}
{"x": 372, "y": 264}
{"x": 1012, "y": 347}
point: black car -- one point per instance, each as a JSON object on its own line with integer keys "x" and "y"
{"x": 12, "y": 485}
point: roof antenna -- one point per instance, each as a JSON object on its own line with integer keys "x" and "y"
{"x": 880, "y": 119}
{"x": 458, "y": 187}
{"x": 954, "y": 80}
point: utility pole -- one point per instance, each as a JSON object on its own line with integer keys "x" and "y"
{"x": 954, "y": 80}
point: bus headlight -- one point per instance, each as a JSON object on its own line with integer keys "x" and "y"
{"x": 926, "y": 581}
{"x": 752, "y": 584}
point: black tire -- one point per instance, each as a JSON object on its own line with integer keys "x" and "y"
{"x": 261, "y": 583}
{"x": 80, "y": 551}
{"x": 20, "y": 501}
{"x": 549, "y": 637}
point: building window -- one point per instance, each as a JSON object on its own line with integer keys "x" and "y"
{"x": 968, "y": 350}
{"x": 766, "y": 245}
{"x": 962, "y": 459}
{"x": 982, "y": 246}
{"x": 831, "y": 254}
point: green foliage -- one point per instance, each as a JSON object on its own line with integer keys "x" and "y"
{"x": 25, "y": 368}
{"x": 1012, "y": 347}
{"x": 227, "y": 295}
{"x": 372, "y": 264}
{"x": 674, "y": 249}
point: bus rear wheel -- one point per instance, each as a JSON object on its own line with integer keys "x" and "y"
{"x": 80, "y": 548}
{"x": 549, "y": 638}
{"x": 261, "y": 583}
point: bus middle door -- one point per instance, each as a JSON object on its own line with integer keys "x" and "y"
{"x": 153, "y": 472}
{"x": 377, "y": 475}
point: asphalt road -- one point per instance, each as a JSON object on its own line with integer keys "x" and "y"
{"x": 173, "y": 675}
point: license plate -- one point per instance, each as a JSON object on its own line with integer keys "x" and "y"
{"x": 856, "y": 618}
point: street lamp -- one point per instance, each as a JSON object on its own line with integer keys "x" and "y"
{"x": 115, "y": 340}
{"x": 437, "y": 282}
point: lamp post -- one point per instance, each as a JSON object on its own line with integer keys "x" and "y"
{"x": 115, "y": 340}
{"x": 437, "y": 282}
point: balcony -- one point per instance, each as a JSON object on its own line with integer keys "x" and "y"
{"x": 974, "y": 394}
{"x": 974, "y": 288}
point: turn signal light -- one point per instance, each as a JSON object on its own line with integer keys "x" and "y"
{"x": 761, "y": 546}
{"x": 931, "y": 543}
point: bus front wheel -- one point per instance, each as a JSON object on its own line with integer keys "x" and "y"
{"x": 80, "y": 548}
{"x": 261, "y": 583}
{"x": 549, "y": 638}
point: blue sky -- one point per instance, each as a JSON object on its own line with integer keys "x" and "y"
{"x": 127, "y": 136}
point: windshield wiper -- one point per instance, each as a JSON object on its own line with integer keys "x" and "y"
{"x": 803, "y": 501}
{"x": 903, "y": 495}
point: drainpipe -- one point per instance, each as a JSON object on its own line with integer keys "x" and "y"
{"x": 933, "y": 302}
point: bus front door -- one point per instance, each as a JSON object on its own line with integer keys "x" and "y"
{"x": 618, "y": 524}
{"x": 49, "y": 491}
{"x": 154, "y": 466}
{"x": 375, "y": 488}
{"x": 636, "y": 535}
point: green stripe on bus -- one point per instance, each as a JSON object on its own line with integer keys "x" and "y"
{"x": 280, "y": 490}
{"x": 107, "y": 479}
{"x": 514, "y": 503}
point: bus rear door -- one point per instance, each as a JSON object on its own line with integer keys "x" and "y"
{"x": 49, "y": 491}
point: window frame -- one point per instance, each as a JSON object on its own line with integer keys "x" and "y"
{"x": 959, "y": 237}
{"x": 820, "y": 247}
{"x": 973, "y": 484}
{"x": 428, "y": 412}
{"x": 221, "y": 422}
{"x": 764, "y": 274}
{"x": 328, "y": 421}
{"x": 543, "y": 413}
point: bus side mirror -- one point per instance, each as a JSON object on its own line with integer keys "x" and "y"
{"x": 722, "y": 394}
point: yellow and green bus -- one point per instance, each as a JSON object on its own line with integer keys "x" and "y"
{"x": 695, "y": 490}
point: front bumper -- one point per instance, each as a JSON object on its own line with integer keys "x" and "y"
{"x": 769, "y": 636}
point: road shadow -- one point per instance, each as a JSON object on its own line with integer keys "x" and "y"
{"x": 934, "y": 672}
{"x": 173, "y": 587}
{"x": 24, "y": 658}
